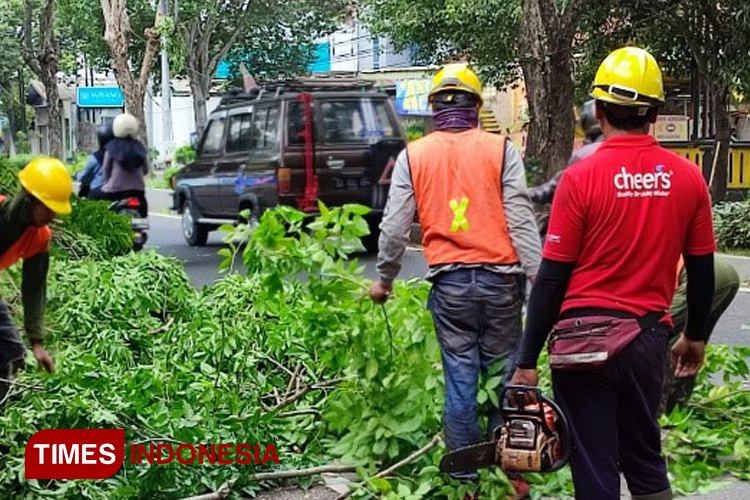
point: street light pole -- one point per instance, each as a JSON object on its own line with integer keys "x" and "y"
{"x": 166, "y": 93}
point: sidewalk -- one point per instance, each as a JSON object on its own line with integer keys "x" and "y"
{"x": 735, "y": 491}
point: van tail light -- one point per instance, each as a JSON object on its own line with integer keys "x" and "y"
{"x": 284, "y": 176}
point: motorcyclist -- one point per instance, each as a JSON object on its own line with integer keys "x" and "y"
{"x": 125, "y": 163}
{"x": 91, "y": 176}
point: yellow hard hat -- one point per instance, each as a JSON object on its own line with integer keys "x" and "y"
{"x": 47, "y": 180}
{"x": 629, "y": 77}
{"x": 456, "y": 77}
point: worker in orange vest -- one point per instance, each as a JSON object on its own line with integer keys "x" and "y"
{"x": 480, "y": 241}
{"x": 25, "y": 235}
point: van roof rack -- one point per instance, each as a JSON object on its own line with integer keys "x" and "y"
{"x": 319, "y": 83}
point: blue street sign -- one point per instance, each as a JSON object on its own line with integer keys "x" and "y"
{"x": 100, "y": 97}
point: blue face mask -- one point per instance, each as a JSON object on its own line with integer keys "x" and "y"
{"x": 456, "y": 118}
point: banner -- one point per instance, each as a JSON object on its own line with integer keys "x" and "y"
{"x": 674, "y": 128}
{"x": 411, "y": 96}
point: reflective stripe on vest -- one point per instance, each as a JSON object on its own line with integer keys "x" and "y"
{"x": 33, "y": 241}
{"x": 457, "y": 186}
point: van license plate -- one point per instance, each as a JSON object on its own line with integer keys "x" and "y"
{"x": 351, "y": 183}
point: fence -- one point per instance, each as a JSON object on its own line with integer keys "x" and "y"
{"x": 701, "y": 154}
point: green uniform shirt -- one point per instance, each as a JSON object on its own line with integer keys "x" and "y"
{"x": 15, "y": 217}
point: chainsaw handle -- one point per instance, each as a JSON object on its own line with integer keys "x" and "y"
{"x": 522, "y": 398}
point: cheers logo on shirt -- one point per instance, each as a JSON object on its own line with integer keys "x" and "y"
{"x": 659, "y": 180}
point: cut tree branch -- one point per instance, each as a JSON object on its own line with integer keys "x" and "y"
{"x": 226, "y": 489}
{"x": 393, "y": 468}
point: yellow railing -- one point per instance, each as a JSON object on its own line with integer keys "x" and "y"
{"x": 738, "y": 163}
{"x": 739, "y": 167}
{"x": 693, "y": 154}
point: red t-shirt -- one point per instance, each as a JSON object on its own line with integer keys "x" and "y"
{"x": 624, "y": 216}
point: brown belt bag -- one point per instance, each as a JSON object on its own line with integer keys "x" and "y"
{"x": 589, "y": 342}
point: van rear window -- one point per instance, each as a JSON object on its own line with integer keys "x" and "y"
{"x": 346, "y": 121}
{"x": 343, "y": 121}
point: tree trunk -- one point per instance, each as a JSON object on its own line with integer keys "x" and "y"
{"x": 44, "y": 62}
{"x": 200, "y": 111}
{"x": 201, "y": 62}
{"x": 545, "y": 41}
{"x": 117, "y": 35}
{"x": 54, "y": 110}
{"x": 134, "y": 104}
{"x": 10, "y": 141}
{"x": 720, "y": 112}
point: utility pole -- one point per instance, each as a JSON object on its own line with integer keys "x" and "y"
{"x": 166, "y": 93}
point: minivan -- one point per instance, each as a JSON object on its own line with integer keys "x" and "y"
{"x": 271, "y": 146}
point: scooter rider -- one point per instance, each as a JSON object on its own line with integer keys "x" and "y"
{"x": 91, "y": 176}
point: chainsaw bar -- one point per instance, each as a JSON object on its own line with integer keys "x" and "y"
{"x": 470, "y": 458}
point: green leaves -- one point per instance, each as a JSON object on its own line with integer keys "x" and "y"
{"x": 731, "y": 225}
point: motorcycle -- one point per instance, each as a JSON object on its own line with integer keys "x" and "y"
{"x": 132, "y": 208}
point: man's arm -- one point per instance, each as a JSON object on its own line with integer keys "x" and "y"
{"x": 519, "y": 213}
{"x": 86, "y": 175}
{"x": 546, "y": 299}
{"x": 397, "y": 220}
{"x": 34, "y": 295}
{"x": 544, "y": 193}
{"x": 700, "y": 295}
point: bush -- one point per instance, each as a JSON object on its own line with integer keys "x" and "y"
{"x": 732, "y": 225}
{"x": 169, "y": 174}
{"x": 294, "y": 354}
{"x": 78, "y": 164}
{"x": 184, "y": 155}
{"x": 8, "y": 176}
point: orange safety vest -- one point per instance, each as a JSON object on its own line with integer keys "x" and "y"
{"x": 33, "y": 241}
{"x": 457, "y": 186}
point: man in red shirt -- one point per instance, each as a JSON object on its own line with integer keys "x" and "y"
{"x": 620, "y": 220}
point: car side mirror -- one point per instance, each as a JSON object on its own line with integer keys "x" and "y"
{"x": 194, "y": 141}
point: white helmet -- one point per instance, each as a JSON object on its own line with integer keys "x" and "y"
{"x": 125, "y": 126}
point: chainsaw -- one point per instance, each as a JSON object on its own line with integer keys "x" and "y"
{"x": 534, "y": 437}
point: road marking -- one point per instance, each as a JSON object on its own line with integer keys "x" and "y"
{"x": 744, "y": 289}
{"x": 166, "y": 216}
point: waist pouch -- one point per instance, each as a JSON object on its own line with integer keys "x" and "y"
{"x": 588, "y": 342}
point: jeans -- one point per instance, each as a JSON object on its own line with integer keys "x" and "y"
{"x": 477, "y": 316}
{"x": 613, "y": 412}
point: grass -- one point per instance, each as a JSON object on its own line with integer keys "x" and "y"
{"x": 741, "y": 252}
